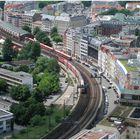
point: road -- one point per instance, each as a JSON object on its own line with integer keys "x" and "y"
{"x": 111, "y": 95}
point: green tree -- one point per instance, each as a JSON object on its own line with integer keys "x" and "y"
{"x": 38, "y": 95}
{"x": 57, "y": 39}
{"x": 49, "y": 84}
{"x": 122, "y": 3}
{"x": 2, "y": 4}
{"x": 54, "y": 30}
{"x": 20, "y": 93}
{"x": 42, "y": 63}
{"x": 24, "y": 54}
{"x": 42, "y": 4}
{"x": 35, "y": 50}
{"x": 53, "y": 66}
{"x": 36, "y": 30}
{"x": 25, "y": 111}
{"x": 40, "y": 35}
{"x": 7, "y": 50}
{"x": 36, "y": 120}
{"x": 137, "y": 32}
{"x": 3, "y": 86}
{"x": 86, "y": 3}
{"x": 24, "y": 68}
{"x": 46, "y": 40}
{"x": 19, "y": 112}
{"x": 27, "y": 28}
{"x": 114, "y": 11}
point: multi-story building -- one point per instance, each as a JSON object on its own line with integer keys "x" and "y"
{"x": 97, "y": 133}
{"x": 6, "y": 121}
{"x": 101, "y": 6}
{"x": 121, "y": 65}
{"x": 17, "y": 34}
{"x": 65, "y": 21}
{"x": 47, "y": 22}
{"x": 20, "y": 6}
{"x": 29, "y": 17}
{"x": 16, "y": 78}
{"x": 132, "y": 5}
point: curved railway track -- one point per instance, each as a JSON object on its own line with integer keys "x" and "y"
{"x": 84, "y": 112}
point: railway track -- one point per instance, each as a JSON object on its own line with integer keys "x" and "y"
{"x": 84, "y": 112}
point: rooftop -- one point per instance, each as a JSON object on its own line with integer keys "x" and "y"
{"x": 128, "y": 91}
{"x": 12, "y": 28}
{"x": 18, "y": 75}
{"x": 118, "y": 112}
{"x": 4, "y": 113}
{"x": 128, "y": 68}
{"x": 91, "y": 134}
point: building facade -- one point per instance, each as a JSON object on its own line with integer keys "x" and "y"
{"x": 6, "y": 121}
{"x": 16, "y": 78}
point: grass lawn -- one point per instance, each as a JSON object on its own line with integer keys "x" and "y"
{"x": 128, "y": 68}
{"x": 37, "y": 132}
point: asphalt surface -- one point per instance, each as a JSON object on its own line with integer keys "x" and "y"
{"x": 109, "y": 96}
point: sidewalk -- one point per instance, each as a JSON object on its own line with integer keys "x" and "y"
{"x": 68, "y": 96}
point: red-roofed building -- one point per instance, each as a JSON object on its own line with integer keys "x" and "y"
{"x": 132, "y": 5}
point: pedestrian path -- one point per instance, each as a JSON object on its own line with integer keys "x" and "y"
{"x": 68, "y": 97}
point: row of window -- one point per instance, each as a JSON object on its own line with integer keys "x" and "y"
{"x": 13, "y": 78}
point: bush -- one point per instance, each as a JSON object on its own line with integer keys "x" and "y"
{"x": 36, "y": 120}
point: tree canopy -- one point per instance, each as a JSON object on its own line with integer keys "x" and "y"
{"x": 3, "y": 86}
{"x": 86, "y": 3}
{"x": 55, "y": 36}
{"x": 36, "y": 30}
{"x": 32, "y": 50}
{"x": 25, "y": 111}
{"x": 42, "y": 4}
{"x": 114, "y": 11}
{"x": 7, "y": 50}
{"x": 20, "y": 93}
{"x": 2, "y": 4}
{"x": 49, "y": 84}
{"x": 27, "y": 28}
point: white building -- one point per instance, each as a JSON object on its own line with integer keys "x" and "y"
{"x": 111, "y": 66}
{"x": 16, "y": 78}
{"x": 5, "y": 121}
{"x": 84, "y": 48}
{"x": 62, "y": 23}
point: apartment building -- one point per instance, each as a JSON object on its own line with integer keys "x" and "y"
{"x": 84, "y": 47}
{"x": 132, "y": 5}
{"x": 29, "y": 17}
{"x": 6, "y": 121}
{"x": 16, "y": 78}
{"x": 121, "y": 65}
{"x": 101, "y": 6}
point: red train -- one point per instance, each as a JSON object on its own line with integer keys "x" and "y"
{"x": 51, "y": 50}
{"x": 73, "y": 69}
{"x": 64, "y": 59}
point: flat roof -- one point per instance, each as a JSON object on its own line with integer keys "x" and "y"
{"x": 128, "y": 91}
{"x": 19, "y": 75}
{"x": 4, "y": 113}
{"x": 12, "y": 28}
{"x": 128, "y": 68}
